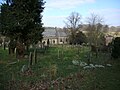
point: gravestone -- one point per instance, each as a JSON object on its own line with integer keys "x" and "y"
{"x": 30, "y": 59}
{"x": 35, "y": 56}
{"x": 24, "y": 68}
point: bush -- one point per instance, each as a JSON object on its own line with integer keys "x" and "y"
{"x": 116, "y": 48}
{"x": 78, "y": 38}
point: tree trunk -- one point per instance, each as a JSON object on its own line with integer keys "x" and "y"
{"x": 4, "y": 45}
{"x": 20, "y": 48}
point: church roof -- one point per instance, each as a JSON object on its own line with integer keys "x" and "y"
{"x": 54, "y": 32}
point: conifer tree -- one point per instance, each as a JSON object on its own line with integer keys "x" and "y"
{"x": 22, "y": 20}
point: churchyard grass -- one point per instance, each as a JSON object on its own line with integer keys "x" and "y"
{"x": 56, "y": 64}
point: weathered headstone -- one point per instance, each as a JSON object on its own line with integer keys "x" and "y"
{"x": 16, "y": 53}
{"x": 24, "y": 68}
{"x": 35, "y": 56}
{"x": 30, "y": 59}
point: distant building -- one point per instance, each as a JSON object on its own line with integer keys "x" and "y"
{"x": 54, "y": 36}
{"x": 109, "y": 39}
{"x": 114, "y": 31}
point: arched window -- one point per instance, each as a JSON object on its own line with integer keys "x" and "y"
{"x": 60, "y": 40}
{"x": 66, "y": 39}
{"x": 54, "y": 41}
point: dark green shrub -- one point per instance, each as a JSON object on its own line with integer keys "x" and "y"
{"x": 7, "y": 39}
{"x": 116, "y": 48}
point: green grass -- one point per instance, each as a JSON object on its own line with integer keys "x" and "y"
{"x": 93, "y": 79}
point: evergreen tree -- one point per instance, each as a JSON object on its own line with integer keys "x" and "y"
{"x": 116, "y": 48}
{"x": 80, "y": 38}
{"x": 22, "y": 20}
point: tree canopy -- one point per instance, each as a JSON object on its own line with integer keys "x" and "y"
{"x": 116, "y": 48}
{"x": 80, "y": 38}
{"x": 22, "y": 20}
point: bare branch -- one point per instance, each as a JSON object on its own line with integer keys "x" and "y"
{"x": 94, "y": 19}
{"x": 72, "y": 25}
{"x": 73, "y": 21}
{"x": 95, "y": 29}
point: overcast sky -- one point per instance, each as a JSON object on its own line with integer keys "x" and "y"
{"x": 56, "y": 11}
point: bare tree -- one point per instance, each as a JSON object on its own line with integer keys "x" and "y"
{"x": 95, "y": 33}
{"x": 72, "y": 25}
{"x": 95, "y": 29}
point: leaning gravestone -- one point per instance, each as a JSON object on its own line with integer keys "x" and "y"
{"x": 30, "y": 59}
{"x": 35, "y": 56}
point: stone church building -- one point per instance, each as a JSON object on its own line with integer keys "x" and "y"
{"x": 54, "y": 36}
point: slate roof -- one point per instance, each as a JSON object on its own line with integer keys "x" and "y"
{"x": 49, "y": 32}
{"x": 61, "y": 33}
{"x": 54, "y": 32}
